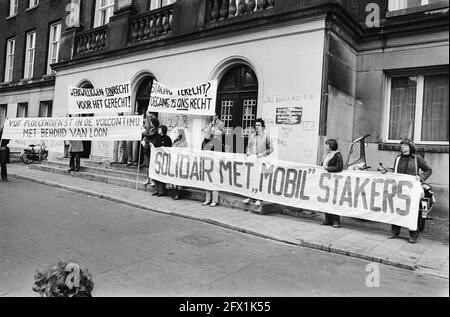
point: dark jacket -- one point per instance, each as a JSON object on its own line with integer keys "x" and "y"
{"x": 4, "y": 155}
{"x": 163, "y": 141}
{"x": 410, "y": 167}
{"x": 336, "y": 164}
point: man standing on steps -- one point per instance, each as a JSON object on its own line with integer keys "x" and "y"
{"x": 75, "y": 149}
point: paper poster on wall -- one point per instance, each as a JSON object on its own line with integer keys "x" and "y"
{"x": 195, "y": 100}
{"x": 293, "y": 124}
{"x": 109, "y": 99}
{"x": 289, "y": 115}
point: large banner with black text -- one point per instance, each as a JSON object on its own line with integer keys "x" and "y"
{"x": 388, "y": 198}
{"x": 75, "y": 128}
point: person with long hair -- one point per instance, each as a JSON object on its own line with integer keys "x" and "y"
{"x": 332, "y": 163}
{"x": 408, "y": 162}
{"x": 64, "y": 279}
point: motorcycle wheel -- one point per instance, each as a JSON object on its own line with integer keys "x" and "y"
{"x": 421, "y": 223}
{"x": 25, "y": 159}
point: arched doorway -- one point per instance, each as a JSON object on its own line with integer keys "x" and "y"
{"x": 237, "y": 99}
{"x": 143, "y": 96}
{"x": 87, "y": 145}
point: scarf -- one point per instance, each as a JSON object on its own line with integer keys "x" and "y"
{"x": 328, "y": 158}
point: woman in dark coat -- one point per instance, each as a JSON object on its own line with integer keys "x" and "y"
{"x": 161, "y": 140}
{"x": 4, "y": 157}
{"x": 332, "y": 163}
{"x": 410, "y": 163}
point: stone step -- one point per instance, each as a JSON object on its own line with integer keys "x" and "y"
{"x": 95, "y": 177}
{"x": 107, "y": 171}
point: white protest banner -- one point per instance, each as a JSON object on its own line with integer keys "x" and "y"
{"x": 196, "y": 100}
{"x": 110, "y": 99}
{"x": 79, "y": 128}
{"x": 389, "y": 198}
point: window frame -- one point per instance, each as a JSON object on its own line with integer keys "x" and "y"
{"x": 51, "y": 43}
{"x": 13, "y": 8}
{"x": 8, "y": 58}
{"x": 33, "y": 4}
{"x": 159, "y": 4}
{"x": 98, "y": 12}
{"x": 49, "y": 107}
{"x": 3, "y": 106}
{"x": 22, "y": 104}
{"x": 395, "y": 5}
{"x": 28, "y": 49}
{"x": 419, "y": 106}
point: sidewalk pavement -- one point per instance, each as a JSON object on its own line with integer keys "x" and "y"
{"x": 427, "y": 256}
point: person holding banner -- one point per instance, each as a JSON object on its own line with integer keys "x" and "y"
{"x": 332, "y": 163}
{"x": 259, "y": 144}
{"x": 75, "y": 149}
{"x": 161, "y": 140}
{"x": 4, "y": 156}
{"x": 408, "y": 162}
{"x": 179, "y": 142}
{"x": 213, "y": 141}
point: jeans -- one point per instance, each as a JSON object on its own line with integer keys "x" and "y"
{"x": 160, "y": 187}
{"x": 332, "y": 219}
{"x": 133, "y": 151}
{"x": 4, "y": 172}
{"x": 396, "y": 231}
{"x": 215, "y": 196}
{"x": 75, "y": 161}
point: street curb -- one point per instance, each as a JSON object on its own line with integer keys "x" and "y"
{"x": 302, "y": 243}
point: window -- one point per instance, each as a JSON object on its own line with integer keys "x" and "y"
{"x": 45, "y": 109}
{"x": 9, "y": 65}
{"x": 404, "y": 4}
{"x": 29, "y": 55}
{"x": 53, "y": 49}
{"x": 103, "y": 11}
{"x": 13, "y": 7}
{"x": 155, "y": 4}
{"x": 3, "y": 113}
{"x": 419, "y": 108}
{"x": 22, "y": 110}
{"x": 33, "y": 3}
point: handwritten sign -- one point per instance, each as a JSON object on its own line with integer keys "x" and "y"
{"x": 196, "y": 100}
{"x": 110, "y": 99}
{"x": 390, "y": 198}
{"x": 80, "y": 128}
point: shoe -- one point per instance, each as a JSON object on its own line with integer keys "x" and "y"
{"x": 155, "y": 194}
{"x": 135, "y": 164}
{"x": 129, "y": 164}
{"x": 70, "y": 170}
{"x": 258, "y": 203}
{"x": 161, "y": 194}
{"x": 393, "y": 236}
{"x": 147, "y": 182}
{"x": 246, "y": 201}
{"x": 325, "y": 223}
{"x": 336, "y": 225}
{"x": 77, "y": 171}
{"x": 213, "y": 204}
{"x": 176, "y": 197}
{"x": 412, "y": 240}
{"x": 206, "y": 203}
